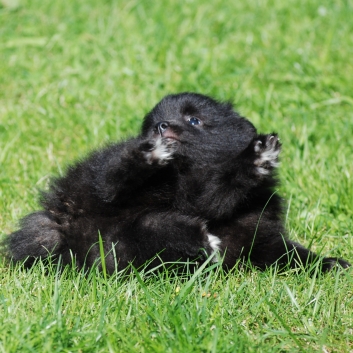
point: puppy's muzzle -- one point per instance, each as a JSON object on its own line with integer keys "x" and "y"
{"x": 161, "y": 127}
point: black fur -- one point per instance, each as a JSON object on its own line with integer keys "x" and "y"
{"x": 198, "y": 178}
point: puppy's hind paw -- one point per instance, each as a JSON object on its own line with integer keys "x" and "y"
{"x": 267, "y": 149}
{"x": 159, "y": 151}
{"x": 333, "y": 263}
{"x": 215, "y": 244}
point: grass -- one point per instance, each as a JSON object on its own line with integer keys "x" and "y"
{"x": 75, "y": 74}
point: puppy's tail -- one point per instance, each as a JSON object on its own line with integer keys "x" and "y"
{"x": 38, "y": 237}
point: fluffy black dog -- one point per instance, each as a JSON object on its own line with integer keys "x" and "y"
{"x": 198, "y": 179}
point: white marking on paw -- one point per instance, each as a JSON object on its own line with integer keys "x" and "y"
{"x": 161, "y": 153}
{"x": 257, "y": 147}
{"x": 148, "y": 156}
{"x": 268, "y": 155}
{"x": 214, "y": 243}
{"x": 263, "y": 171}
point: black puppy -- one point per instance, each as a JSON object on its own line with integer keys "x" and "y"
{"x": 197, "y": 179}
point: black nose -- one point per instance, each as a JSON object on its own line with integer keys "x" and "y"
{"x": 161, "y": 127}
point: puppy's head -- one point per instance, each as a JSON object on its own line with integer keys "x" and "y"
{"x": 205, "y": 130}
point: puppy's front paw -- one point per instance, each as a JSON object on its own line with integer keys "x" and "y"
{"x": 267, "y": 148}
{"x": 158, "y": 151}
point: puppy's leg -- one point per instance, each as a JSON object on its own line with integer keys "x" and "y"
{"x": 258, "y": 238}
{"x": 258, "y": 160}
{"x": 286, "y": 253}
{"x": 39, "y": 237}
{"x": 171, "y": 235}
{"x": 120, "y": 169}
{"x": 234, "y": 180}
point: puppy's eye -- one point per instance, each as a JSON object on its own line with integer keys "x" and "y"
{"x": 194, "y": 121}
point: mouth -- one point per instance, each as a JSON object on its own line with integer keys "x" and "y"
{"x": 168, "y": 138}
{"x": 171, "y": 138}
{"x": 169, "y": 134}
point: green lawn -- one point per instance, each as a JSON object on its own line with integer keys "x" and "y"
{"x": 75, "y": 74}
